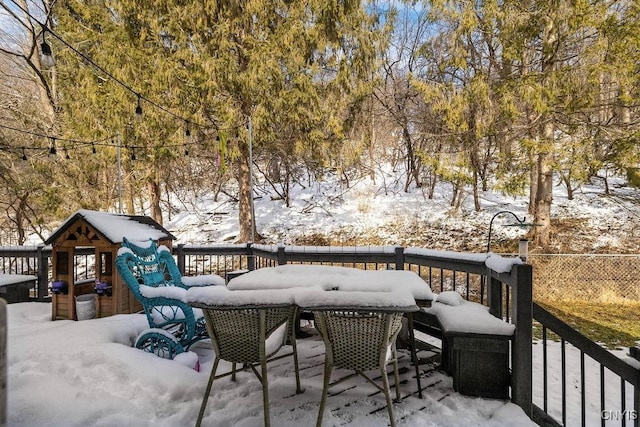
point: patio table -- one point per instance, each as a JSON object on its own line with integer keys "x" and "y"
{"x": 334, "y": 278}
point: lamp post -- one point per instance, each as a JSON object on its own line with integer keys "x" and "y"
{"x": 521, "y": 223}
{"x": 253, "y": 212}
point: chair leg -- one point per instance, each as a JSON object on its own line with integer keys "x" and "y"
{"x": 295, "y": 362}
{"x": 325, "y": 387}
{"x": 396, "y": 375}
{"x": 387, "y": 394}
{"x": 206, "y": 393}
{"x": 265, "y": 392}
{"x": 414, "y": 354}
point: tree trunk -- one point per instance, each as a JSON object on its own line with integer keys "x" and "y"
{"x": 20, "y": 218}
{"x": 154, "y": 197}
{"x": 412, "y": 168}
{"x": 244, "y": 198}
{"x": 476, "y": 194}
{"x": 544, "y": 194}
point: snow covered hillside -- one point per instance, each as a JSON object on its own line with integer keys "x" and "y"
{"x": 368, "y": 214}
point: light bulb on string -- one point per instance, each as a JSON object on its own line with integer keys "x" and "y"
{"x": 93, "y": 148}
{"x": 45, "y": 50}
{"x": 66, "y": 153}
{"x": 133, "y": 154}
{"x": 24, "y": 155}
{"x": 139, "y": 108}
{"x": 52, "y": 148}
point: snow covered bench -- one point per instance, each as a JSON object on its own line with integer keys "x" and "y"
{"x": 15, "y": 287}
{"x": 474, "y": 343}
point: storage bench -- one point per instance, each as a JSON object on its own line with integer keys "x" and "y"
{"x": 16, "y": 287}
{"x": 475, "y": 345}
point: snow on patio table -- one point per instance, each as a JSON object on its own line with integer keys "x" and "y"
{"x": 66, "y": 373}
{"x": 333, "y": 278}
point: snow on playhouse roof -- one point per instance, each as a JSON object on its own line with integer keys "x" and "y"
{"x": 113, "y": 227}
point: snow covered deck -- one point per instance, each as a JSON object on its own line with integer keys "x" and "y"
{"x": 354, "y": 402}
{"x": 68, "y": 373}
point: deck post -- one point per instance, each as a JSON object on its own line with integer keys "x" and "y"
{"x": 494, "y": 296}
{"x": 43, "y": 273}
{"x": 399, "y": 258}
{"x": 181, "y": 258}
{"x": 522, "y": 318}
{"x": 251, "y": 257}
{"x": 281, "y": 256}
{"x": 3, "y": 362}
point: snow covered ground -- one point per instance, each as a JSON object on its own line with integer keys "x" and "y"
{"x": 366, "y": 214}
{"x": 87, "y": 373}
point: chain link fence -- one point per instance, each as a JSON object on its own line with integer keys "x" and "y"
{"x": 605, "y": 278}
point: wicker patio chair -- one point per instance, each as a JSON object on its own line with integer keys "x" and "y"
{"x": 247, "y": 332}
{"x": 153, "y": 277}
{"x": 359, "y": 330}
{"x": 360, "y": 341}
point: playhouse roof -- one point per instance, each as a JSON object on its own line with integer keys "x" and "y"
{"x": 113, "y": 227}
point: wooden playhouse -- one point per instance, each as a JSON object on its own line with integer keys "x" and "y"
{"x": 90, "y": 240}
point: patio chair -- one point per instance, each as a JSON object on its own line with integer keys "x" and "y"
{"x": 360, "y": 340}
{"x": 247, "y": 327}
{"x": 153, "y": 277}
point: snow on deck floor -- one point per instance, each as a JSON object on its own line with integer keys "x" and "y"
{"x": 67, "y": 373}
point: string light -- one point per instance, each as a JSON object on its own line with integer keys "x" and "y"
{"x": 93, "y": 148}
{"x": 44, "y": 46}
{"x": 24, "y": 155}
{"x": 133, "y": 154}
{"x": 52, "y": 148}
{"x": 46, "y": 56}
{"x": 140, "y": 97}
{"x": 66, "y": 154}
{"x": 138, "y": 108}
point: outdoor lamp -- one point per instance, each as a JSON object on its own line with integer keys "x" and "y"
{"x": 523, "y": 249}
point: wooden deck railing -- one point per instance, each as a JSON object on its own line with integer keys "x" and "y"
{"x": 508, "y": 295}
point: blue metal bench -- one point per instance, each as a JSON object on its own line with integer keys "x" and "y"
{"x": 153, "y": 277}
